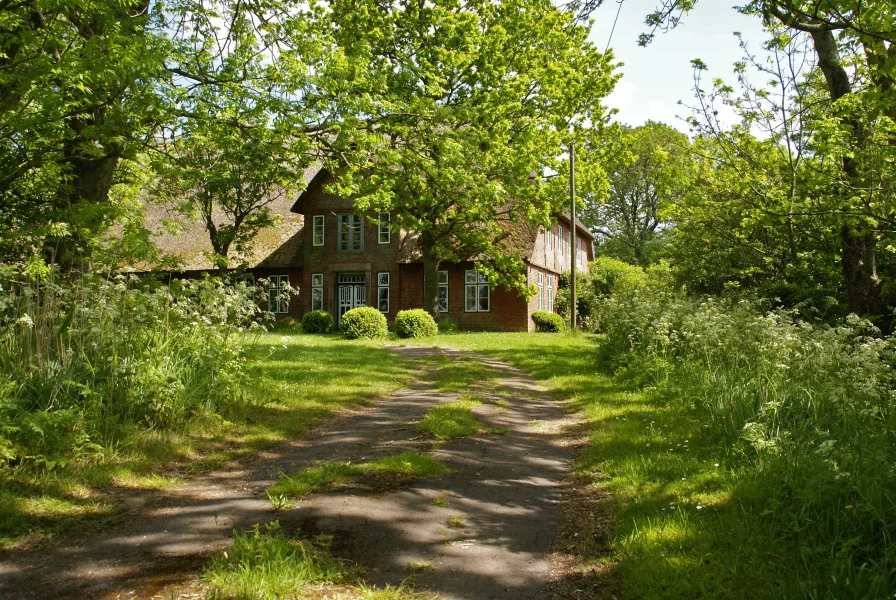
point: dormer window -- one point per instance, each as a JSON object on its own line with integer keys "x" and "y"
{"x": 317, "y": 237}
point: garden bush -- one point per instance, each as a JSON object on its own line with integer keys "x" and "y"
{"x": 415, "y": 323}
{"x": 364, "y": 322}
{"x": 88, "y": 360}
{"x": 317, "y": 321}
{"x": 546, "y": 321}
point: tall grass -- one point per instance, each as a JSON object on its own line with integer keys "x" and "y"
{"x": 83, "y": 362}
{"x": 806, "y": 410}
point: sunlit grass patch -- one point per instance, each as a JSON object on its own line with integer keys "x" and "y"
{"x": 265, "y": 564}
{"x": 453, "y": 420}
{"x": 458, "y": 373}
{"x": 456, "y": 521}
{"x": 405, "y": 591}
{"x": 312, "y": 479}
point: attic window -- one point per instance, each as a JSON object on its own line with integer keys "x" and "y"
{"x": 317, "y": 239}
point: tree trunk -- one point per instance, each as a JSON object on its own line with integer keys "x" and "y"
{"x": 858, "y": 243}
{"x": 90, "y": 182}
{"x": 860, "y": 270}
{"x": 430, "y": 275}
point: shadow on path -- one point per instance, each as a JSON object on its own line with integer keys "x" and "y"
{"x": 486, "y": 538}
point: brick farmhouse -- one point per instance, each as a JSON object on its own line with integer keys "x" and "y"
{"x": 338, "y": 260}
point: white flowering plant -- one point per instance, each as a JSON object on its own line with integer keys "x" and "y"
{"x": 84, "y": 360}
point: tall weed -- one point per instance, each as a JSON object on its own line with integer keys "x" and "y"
{"x": 83, "y": 362}
{"x": 807, "y": 409}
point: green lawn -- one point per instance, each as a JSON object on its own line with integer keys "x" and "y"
{"x": 686, "y": 526}
{"x": 300, "y": 379}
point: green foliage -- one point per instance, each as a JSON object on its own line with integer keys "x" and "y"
{"x": 317, "y": 321}
{"x": 649, "y": 168}
{"x": 545, "y": 321}
{"x": 364, "y": 322}
{"x": 265, "y": 564}
{"x": 86, "y": 359}
{"x": 805, "y": 410}
{"x": 415, "y": 323}
{"x": 608, "y": 275}
{"x": 316, "y": 478}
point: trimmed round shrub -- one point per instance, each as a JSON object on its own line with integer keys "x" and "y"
{"x": 546, "y": 321}
{"x": 415, "y": 323}
{"x": 364, "y": 322}
{"x": 317, "y": 321}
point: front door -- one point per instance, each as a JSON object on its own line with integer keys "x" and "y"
{"x": 351, "y": 291}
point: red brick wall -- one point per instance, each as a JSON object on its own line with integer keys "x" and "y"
{"x": 330, "y": 261}
{"x": 509, "y": 310}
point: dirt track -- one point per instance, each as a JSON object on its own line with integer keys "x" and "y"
{"x": 503, "y": 489}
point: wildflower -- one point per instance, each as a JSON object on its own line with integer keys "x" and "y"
{"x": 849, "y": 507}
{"x": 699, "y": 507}
{"x": 25, "y": 321}
{"x": 717, "y": 464}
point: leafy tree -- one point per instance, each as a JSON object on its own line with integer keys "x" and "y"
{"x": 648, "y": 169}
{"x": 241, "y": 139}
{"x": 85, "y": 86}
{"x": 459, "y": 108}
{"x": 855, "y": 53}
{"x": 77, "y": 95}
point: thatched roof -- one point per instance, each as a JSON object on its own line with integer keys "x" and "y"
{"x": 189, "y": 247}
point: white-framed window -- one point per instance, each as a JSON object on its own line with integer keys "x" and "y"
{"x": 580, "y": 257}
{"x": 443, "y": 291}
{"x": 317, "y": 235}
{"x": 384, "y": 233}
{"x": 351, "y": 232}
{"x": 382, "y": 292}
{"x": 278, "y": 294}
{"x": 477, "y": 293}
{"x": 549, "y": 240}
{"x": 540, "y": 283}
{"x": 550, "y": 293}
{"x": 317, "y": 291}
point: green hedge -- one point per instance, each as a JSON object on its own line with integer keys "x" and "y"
{"x": 415, "y": 323}
{"x": 364, "y": 322}
{"x": 545, "y": 321}
{"x": 317, "y": 321}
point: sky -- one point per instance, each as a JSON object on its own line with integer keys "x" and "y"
{"x": 655, "y": 78}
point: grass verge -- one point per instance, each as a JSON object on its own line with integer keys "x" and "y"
{"x": 312, "y": 479}
{"x": 299, "y": 379}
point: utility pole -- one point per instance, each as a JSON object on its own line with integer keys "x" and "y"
{"x": 572, "y": 234}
